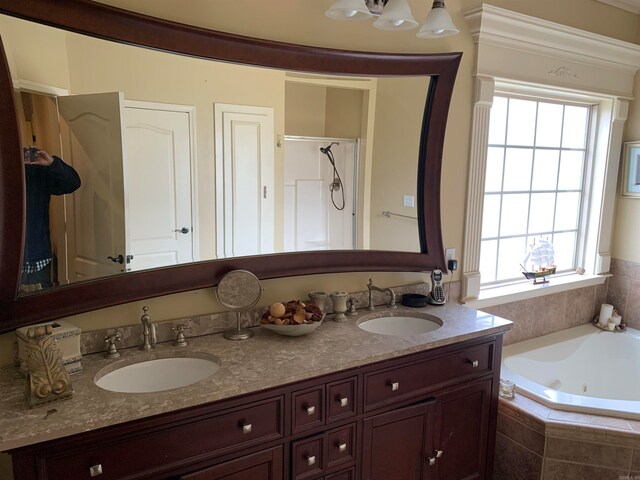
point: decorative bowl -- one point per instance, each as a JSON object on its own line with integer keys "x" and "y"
{"x": 293, "y": 330}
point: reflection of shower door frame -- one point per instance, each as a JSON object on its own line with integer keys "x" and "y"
{"x": 354, "y": 183}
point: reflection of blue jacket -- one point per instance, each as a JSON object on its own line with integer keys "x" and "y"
{"x": 42, "y": 182}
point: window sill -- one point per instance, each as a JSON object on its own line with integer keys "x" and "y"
{"x": 521, "y": 291}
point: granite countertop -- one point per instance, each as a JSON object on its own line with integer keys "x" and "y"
{"x": 245, "y": 366}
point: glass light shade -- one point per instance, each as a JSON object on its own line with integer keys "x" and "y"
{"x": 349, "y": 10}
{"x": 396, "y": 16}
{"x": 438, "y": 24}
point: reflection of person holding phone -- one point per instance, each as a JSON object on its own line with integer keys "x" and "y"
{"x": 45, "y": 175}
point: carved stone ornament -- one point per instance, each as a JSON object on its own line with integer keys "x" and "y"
{"x": 47, "y": 378}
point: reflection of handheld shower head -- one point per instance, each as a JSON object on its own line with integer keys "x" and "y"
{"x": 327, "y": 149}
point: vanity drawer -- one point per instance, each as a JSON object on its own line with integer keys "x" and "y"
{"x": 341, "y": 446}
{"x": 409, "y": 380}
{"x": 308, "y": 457}
{"x": 308, "y": 408}
{"x": 239, "y": 428}
{"x": 324, "y": 452}
{"x": 341, "y": 399}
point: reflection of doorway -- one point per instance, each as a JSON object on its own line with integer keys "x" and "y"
{"x": 158, "y": 174}
{"x": 135, "y": 201}
{"x": 38, "y": 119}
{"x": 319, "y": 214}
{"x": 245, "y": 175}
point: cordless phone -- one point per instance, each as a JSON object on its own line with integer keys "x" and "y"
{"x": 436, "y": 297}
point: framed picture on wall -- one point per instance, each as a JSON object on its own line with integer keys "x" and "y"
{"x": 631, "y": 178}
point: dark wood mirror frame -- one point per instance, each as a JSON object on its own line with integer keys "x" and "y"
{"x": 86, "y": 17}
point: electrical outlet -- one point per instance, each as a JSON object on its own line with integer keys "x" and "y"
{"x": 449, "y": 254}
{"x": 408, "y": 201}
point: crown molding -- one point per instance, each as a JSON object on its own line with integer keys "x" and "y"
{"x": 516, "y": 46}
{"x": 632, "y": 6}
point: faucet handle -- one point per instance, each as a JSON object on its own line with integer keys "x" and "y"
{"x": 112, "y": 350}
{"x": 181, "y": 340}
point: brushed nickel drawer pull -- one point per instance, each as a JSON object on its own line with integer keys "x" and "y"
{"x": 311, "y": 460}
{"x": 96, "y": 470}
{"x": 311, "y": 410}
{"x": 342, "y": 447}
{"x": 432, "y": 461}
{"x": 246, "y": 428}
{"x": 344, "y": 401}
{"x": 394, "y": 386}
{"x": 474, "y": 363}
{"x": 438, "y": 453}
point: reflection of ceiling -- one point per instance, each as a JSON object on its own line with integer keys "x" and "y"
{"x": 629, "y": 5}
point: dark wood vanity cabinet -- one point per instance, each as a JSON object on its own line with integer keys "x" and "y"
{"x": 429, "y": 415}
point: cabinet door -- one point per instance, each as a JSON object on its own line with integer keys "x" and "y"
{"x": 462, "y": 422}
{"x": 395, "y": 443}
{"x": 265, "y": 465}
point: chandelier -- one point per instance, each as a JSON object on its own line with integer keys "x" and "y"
{"x": 395, "y": 15}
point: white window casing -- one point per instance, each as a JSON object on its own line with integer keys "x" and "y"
{"x": 522, "y": 54}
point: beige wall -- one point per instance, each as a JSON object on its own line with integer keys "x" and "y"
{"x": 305, "y": 110}
{"x": 304, "y": 22}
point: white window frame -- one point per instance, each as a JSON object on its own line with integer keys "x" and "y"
{"x": 528, "y": 56}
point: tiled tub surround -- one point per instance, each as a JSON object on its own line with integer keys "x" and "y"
{"x": 539, "y": 443}
{"x": 267, "y": 360}
{"x": 539, "y": 316}
{"x": 624, "y": 290}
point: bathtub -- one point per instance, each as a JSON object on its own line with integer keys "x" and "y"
{"x": 581, "y": 369}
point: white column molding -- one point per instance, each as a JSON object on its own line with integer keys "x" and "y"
{"x": 484, "y": 90}
{"x": 607, "y": 212}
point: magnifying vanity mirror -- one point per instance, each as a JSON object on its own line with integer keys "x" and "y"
{"x": 201, "y": 152}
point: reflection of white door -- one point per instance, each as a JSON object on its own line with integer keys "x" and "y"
{"x": 158, "y": 173}
{"x": 244, "y": 180}
{"x": 91, "y": 134}
{"x": 315, "y": 218}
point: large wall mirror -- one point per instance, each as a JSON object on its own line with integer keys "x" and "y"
{"x": 199, "y": 152}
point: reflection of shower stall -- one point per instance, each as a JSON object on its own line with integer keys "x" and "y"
{"x": 313, "y": 196}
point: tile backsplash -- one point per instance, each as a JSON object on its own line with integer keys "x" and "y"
{"x": 539, "y": 316}
{"x": 624, "y": 291}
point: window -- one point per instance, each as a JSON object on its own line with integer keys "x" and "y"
{"x": 564, "y": 96}
{"x": 537, "y": 157}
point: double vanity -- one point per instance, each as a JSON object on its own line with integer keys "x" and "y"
{"x": 341, "y": 403}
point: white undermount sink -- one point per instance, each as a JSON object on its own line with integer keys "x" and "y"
{"x": 401, "y": 324}
{"x": 157, "y": 374}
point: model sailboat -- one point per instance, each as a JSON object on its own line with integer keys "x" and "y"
{"x": 540, "y": 257}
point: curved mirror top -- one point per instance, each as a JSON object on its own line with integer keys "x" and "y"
{"x": 189, "y": 153}
{"x": 157, "y": 159}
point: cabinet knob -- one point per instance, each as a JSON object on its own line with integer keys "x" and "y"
{"x": 311, "y": 460}
{"x": 311, "y": 410}
{"x": 474, "y": 363}
{"x": 342, "y": 447}
{"x": 394, "y": 386}
{"x": 432, "y": 461}
{"x": 438, "y": 453}
{"x": 246, "y": 428}
{"x": 95, "y": 470}
{"x": 344, "y": 401}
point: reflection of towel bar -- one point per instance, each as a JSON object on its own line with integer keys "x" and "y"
{"x": 388, "y": 215}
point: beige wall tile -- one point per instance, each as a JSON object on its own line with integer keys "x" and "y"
{"x": 556, "y": 470}
{"x": 588, "y": 453}
{"x": 514, "y": 462}
{"x": 520, "y": 433}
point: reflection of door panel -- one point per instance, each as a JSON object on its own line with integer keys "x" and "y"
{"x": 311, "y": 220}
{"x": 91, "y": 133}
{"x": 158, "y": 173}
{"x": 244, "y": 180}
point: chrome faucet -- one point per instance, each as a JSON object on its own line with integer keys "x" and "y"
{"x": 372, "y": 287}
{"x": 148, "y": 331}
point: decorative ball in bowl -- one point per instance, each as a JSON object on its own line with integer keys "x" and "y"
{"x": 292, "y": 318}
